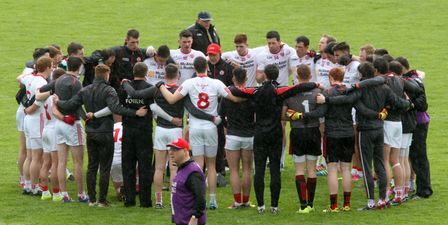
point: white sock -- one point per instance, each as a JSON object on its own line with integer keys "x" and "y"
{"x": 213, "y": 198}
{"x": 64, "y": 194}
{"x": 27, "y": 184}
{"x": 371, "y": 203}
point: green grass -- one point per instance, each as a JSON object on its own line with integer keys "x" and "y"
{"x": 415, "y": 29}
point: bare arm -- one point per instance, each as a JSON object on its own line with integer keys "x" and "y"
{"x": 284, "y": 117}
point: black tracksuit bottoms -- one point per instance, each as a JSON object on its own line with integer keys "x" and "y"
{"x": 100, "y": 150}
{"x": 267, "y": 146}
{"x": 419, "y": 160}
{"x": 137, "y": 147}
{"x": 371, "y": 144}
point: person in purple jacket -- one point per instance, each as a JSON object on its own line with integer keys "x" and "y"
{"x": 188, "y": 187}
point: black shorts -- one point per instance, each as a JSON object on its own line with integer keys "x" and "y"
{"x": 305, "y": 141}
{"x": 339, "y": 149}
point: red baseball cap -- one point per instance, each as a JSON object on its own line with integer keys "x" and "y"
{"x": 213, "y": 49}
{"x": 179, "y": 143}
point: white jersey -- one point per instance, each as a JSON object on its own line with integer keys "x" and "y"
{"x": 33, "y": 82}
{"x": 322, "y": 68}
{"x": 156, "y": 72}
{"x": 285, "y": 59}
{"x": 204, "y": 93}
{"x": 305, "y": 60}
{"x": 246, "y": 62}
{"x": 47, "y": 111}
{"x": 185, "y": 63}
{"x": 118, "y": 133}
{"x": 351, "y": 75}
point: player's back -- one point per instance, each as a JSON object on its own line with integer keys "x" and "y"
{"x": 267, "y": 109}
{"x": 304, "y": 102}
{"x": 204, "y": 93}
{"x": 338, "y": 118}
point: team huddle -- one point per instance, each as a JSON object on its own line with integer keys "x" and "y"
{"x": 344, "y": 111}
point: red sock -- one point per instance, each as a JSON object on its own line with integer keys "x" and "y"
{"x": 55, "y": 190}
{"x": 45, "y": 188}
{"x": 245, "y": 198}
{"x": 347, "y": 198}
{"x": 301, "y": 190}
{"x": 334, "y": 201}
{"x": 237, "y": 197}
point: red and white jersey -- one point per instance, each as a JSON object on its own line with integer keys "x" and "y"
{"x": 204, "y": 93}
{"x": 322, "y": 68}
{"x": 33, "y": 82}
{"x": 305, "y": 60}
{"x": 351, "y": 75}
{"x": 285, "y": 59}
{"x": 118, "y": 133}
{"x": 156, "y": 72}
{"x": 47, "y": 111}
{"x": 185, "y": 63}
{"x": 246, "y": 62}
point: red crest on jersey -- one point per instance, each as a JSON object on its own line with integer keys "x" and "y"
{"x": 243, "y": 59}
{"x": 185, "y": 57}
{"x": 282, "y": 54}
{"x": 139, "y": 59}
{"x": 276, "y": 57}
{"x": 191, "y": 56}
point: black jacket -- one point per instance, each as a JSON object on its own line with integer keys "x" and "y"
{"x": 90, "y": 63}
{"x": 125, "y": 59}
{"x": 221, "y": 71}
{"x": 96, "y": 97}
{"x": 369, "y": 101}
{"x": 200, "y": 37}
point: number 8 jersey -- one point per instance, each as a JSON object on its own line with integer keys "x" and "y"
{"x": 303, "y": 102}
{"x": 204, "y": 93}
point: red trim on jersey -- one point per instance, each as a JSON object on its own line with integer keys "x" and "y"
{"x": 186, "y": 53}
{"x": 171, "y": 85}
{"x": 202, "y": 75}
{"x": 46, "y": 112}
{"x": 281, "y": 90}
{"x": 41, "y": 123}
{"x": 249, "y": 91}
{"x": 390, "y": 74}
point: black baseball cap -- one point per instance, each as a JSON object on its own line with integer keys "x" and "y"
{"x": 204, "y": 15}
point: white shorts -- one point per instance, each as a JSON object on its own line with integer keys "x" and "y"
{"x": 33, "y": 143}
{"x": 303, "y": 158}
{"x": 393, "y": 133}
{"x": 49, "y": 139}
{"x": 33, "y": 126}
{"x": 406, "y": 142}
{"x": 71, "y": 135}
{"x": 116, "y": 173}
{"x": 164, "y": 136}
{"x": 235, "y": 143}
{"x": 20, "y": 116}
{"x": 203, "y": 137}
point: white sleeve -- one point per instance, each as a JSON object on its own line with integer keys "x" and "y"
{"x": 226, "y": 55}
{"x": 293, "y": 59}
{"x": 260, "y": 62}
{"x": 257, "y": 50}
{"x": 221, "y": 87}
{"x": 185, "y": 87}
{"x": 102, "y": 113}
{"x": 156, "y": 109}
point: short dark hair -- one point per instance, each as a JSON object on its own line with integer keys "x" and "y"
{"x": 304, "y": 40}
{"x": 329, "y": 48}
{"x": 57, "y": 73}
{"x": 329, "y": 38}
{"x": 163, "y": 51}
{"x": 185, "y": 34}
{"x": 366, "y": 70}
{"x": 240, "y": 38}
{"x": 101, "y": 70}
{"x": 396, "y": 67}
{"x": 271, "y": 71}
{"x": 73, "y": 63}
{"x": 388, "y": 58}
{"x": 171, "y": 71}
{"x": 381, "y": 65}
{"x": 380, "y": 51}
{"x": 304, "y": 72}
{"x": 240, "y": 75}
{"x": 106, "y": 54}
{"x": 140, "y": 69}
{"x": 39, "y": 52}
{"x": 369, "y": 58}
{"x": 200, "y": 64}
{"x": 342, "y": 46}
{"x": 403, "y": 61}
{"x": 133, "y": 33}
{"x": 54, "y": 51}
{"x": 73, "y": 48}
{"x": 273, "y": 34}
